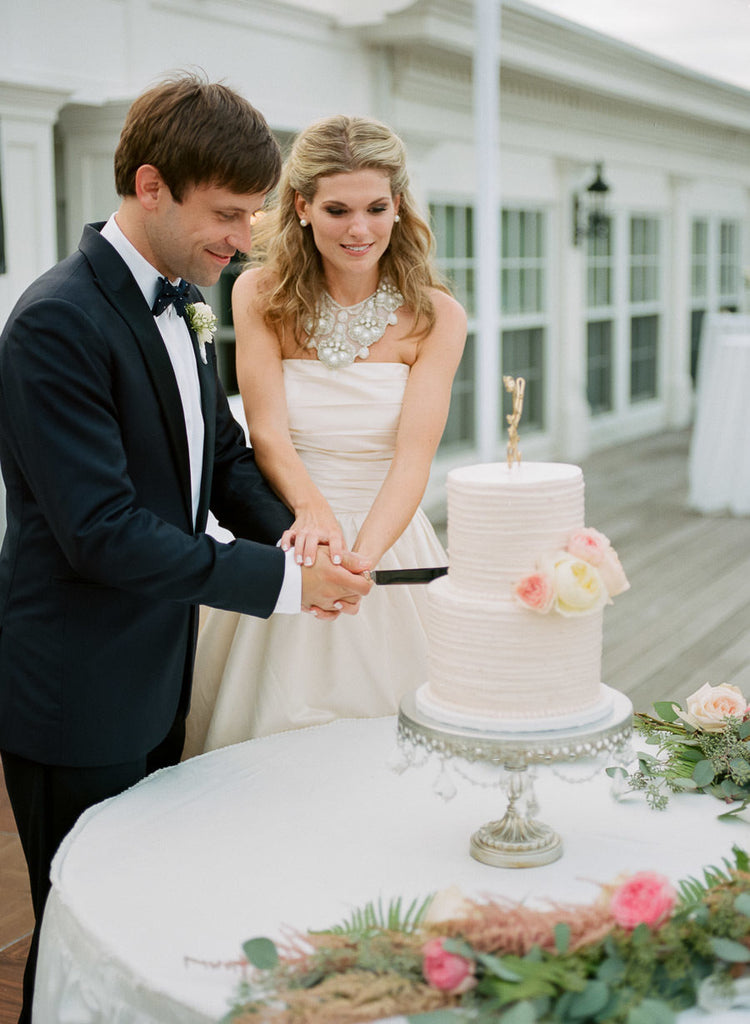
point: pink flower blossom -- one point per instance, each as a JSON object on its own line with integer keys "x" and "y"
{"x": 448, "y": 972}
{"x": 645, "y": 898}
{"x": 612, "y": 574}
{"x": 535, "y": 591}
{"x": 588, "y": 544}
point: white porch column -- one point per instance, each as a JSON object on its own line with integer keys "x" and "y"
{"x": 678, "y": 393}
{"x": 486, "y": 83}
{"x": 90, "y": 136}
{"x": 572, "y": 434}
{"x": 27, "y": 117}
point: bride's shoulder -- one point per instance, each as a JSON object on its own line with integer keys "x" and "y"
{"x": 446, "y": 307}
{"x": 252, "y": 287}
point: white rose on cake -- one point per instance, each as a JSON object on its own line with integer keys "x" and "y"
{"x": 579, "y": 589}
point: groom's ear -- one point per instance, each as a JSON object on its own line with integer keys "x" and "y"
{"x": 149, "y": 186}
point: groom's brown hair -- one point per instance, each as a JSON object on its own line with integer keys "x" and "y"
{"x": 197, "y": 133}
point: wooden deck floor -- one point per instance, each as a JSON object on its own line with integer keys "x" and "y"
{"x": 685, "y": 621}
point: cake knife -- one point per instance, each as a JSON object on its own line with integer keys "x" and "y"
{"x": 385, "y": 577}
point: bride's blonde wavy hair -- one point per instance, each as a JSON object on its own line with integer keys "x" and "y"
{"x": 295, "y": 279}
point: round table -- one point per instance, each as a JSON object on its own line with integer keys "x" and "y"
{"x": 154, "y": 891}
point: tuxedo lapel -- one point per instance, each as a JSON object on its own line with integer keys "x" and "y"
{"x": 118, "y": 284}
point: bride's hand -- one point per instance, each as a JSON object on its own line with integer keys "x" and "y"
{"x": 310, "y": 529}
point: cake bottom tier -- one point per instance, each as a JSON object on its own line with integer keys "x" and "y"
{"x": 492, "y": 658}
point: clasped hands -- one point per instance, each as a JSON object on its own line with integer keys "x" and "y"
{"x": 334, "y": 579}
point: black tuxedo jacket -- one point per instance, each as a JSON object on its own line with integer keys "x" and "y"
{"x": 101, "y": 570}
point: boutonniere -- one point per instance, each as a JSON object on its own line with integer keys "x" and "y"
{"x": 203, "y": 321}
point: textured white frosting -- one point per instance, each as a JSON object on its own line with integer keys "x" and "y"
{"x": 487, "y": 654}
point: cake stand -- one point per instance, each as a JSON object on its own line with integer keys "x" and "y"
{"x": 518, "y": 840}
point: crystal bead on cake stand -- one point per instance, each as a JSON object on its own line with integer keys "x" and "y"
{"x": 519, "y": 840}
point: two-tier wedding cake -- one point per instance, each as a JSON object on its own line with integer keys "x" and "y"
{"x": 515, "y": 628}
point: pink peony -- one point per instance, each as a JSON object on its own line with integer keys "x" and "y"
{"x": 535, "y": 591}
{"x": 448, "y": 972}
{"x": 645, "y": 898}
{"x": 588, "y": 544}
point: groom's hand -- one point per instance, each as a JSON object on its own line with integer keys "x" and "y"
{"x": 328, "y": 589}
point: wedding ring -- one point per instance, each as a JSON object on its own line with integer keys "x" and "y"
{"x": 367, "y": 575}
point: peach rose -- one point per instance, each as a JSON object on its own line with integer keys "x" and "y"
{"x": 535, "y": 591}
{"x": 447, "y": 971}
{"x": 612, "y": 574}
{"x": 447, "y": 905}
{"x": 578, "y": 586}
{"x": 645, "y": 898}
{"x": 709, "y": 706}
{"x": 588, "y": 544}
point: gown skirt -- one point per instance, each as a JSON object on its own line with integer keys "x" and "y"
{"x": 256, "y": 676}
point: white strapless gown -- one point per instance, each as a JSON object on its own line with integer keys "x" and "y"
{"x": 254, "y": 676}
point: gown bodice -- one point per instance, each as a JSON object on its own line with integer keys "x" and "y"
{"x": 344, "y": 424}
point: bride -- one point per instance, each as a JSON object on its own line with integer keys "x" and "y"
{"x": 347, "y": 345}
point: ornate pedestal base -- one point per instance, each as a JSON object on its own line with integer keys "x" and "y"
{"x": 518, "y": 840}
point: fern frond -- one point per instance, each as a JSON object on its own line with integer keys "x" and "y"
{"x": 375, "y": 917}
{"x": 691, "y": 891}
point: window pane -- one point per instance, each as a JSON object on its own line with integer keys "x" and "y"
{"x": 644, "y": 259}
{"x": 696, "y": 327}
{"x": 460, "y": 427}
{"x": 644, "y": 337}
{"x": 523, "y": 356}
{"x": 599, "y": 366}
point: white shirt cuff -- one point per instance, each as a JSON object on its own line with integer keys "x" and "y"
{"x": 289, "y": 601}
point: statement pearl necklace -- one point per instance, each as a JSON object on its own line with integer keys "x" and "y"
{"x": 345, "y": 333}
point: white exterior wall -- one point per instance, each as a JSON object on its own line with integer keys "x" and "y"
{"x": 673, "y": 144}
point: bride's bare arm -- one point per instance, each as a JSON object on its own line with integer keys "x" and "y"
{"x": 423, "y": 416}
{"x": 260, "y": 378}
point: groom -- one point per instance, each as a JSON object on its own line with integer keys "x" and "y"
{"x": 115, "y": 441}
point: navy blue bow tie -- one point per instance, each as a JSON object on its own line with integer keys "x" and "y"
{"x": 169, "y": 294}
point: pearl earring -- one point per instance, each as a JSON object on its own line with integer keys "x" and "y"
{"x": 396, "y": 219}
{"x": 302, "y": 222}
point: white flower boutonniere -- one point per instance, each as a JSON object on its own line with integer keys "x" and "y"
{"x": 203, "y": 321}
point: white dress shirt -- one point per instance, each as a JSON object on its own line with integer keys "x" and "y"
{"x": 179, "y": 346}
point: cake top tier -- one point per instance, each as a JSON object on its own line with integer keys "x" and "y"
{"x": 494, "y": 473}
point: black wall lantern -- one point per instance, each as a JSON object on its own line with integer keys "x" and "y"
{"x": 590, "y": 214}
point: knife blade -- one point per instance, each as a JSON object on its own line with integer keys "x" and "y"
{"x": 385, "y": 577}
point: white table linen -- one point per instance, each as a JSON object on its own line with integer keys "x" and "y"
{"x": 719, "y": 461}
{"x": 155, "y": 886}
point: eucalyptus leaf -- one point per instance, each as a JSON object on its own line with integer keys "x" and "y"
{"x": 744, "y": 730}
{"x": 591, "y": 1001}
{"x": 261, "y": 953}
{"x": 667, "y": 710}
{"x": 703, "y": 773}
{"x": 521, "y": 1013}
{"x": 731, "y": 951}
{"x": 495, "y": 966}
{"x": 681, "y": 783}
{"x": 652, "y": 1011}
{"x": 742, "y": 904}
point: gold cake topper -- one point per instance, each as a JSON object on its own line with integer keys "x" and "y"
{"x": 516, "y": 386}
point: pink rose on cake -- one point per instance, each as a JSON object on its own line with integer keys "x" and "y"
{"x": 535, "y": 591}
{"x": 593, "y": 547}
{"x": 710, "y": 706}
{"x": 589, "y": 544}
{"x": 579, "y": 589}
